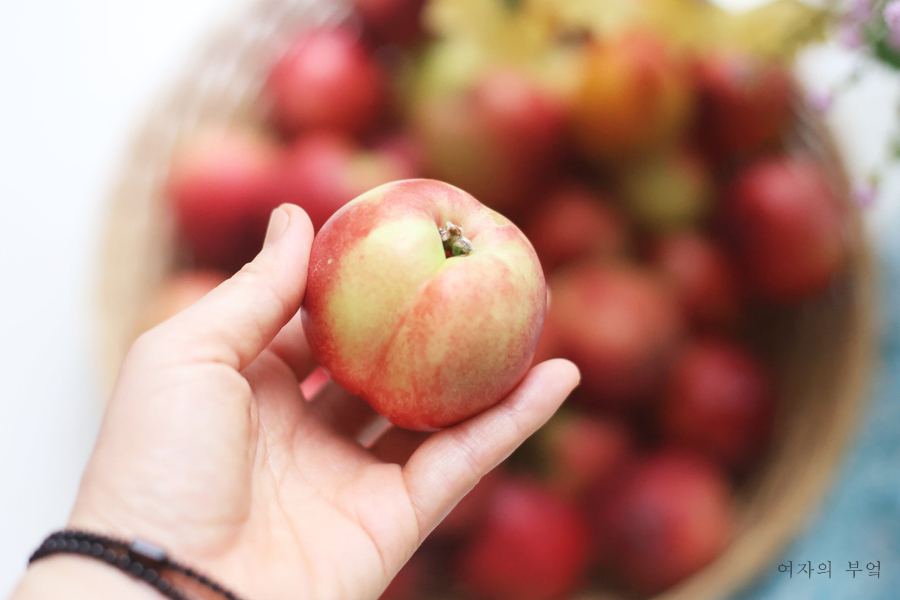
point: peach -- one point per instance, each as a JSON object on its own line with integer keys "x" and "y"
{"x": 665, "y": 520}
{"x": 220, "y": 187}
{"x": 423, "y": 302}
{"x": 620, "y": 325}
{"x": 701, "y": 276}
{"x": 720, "y": 402}
{"x": 634, "y": 98}
{"x": 321, "y": 172}
{"x": 327, "y": 79}
{"x": 785, "y": 225}
{"x": 575, "y": 222}
{"x": 534, "y": 546}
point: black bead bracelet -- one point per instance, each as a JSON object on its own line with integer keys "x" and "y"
{"x": 140, "y": 559}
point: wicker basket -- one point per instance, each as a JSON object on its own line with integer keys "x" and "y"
{"x": 824, "y": 351}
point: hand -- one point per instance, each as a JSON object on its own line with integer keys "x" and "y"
{"x": 209, "y": 449}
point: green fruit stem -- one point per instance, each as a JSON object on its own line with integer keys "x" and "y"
{"x": 454, "y": 241}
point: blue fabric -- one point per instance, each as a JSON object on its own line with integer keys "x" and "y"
{"x": 860, "y": 518}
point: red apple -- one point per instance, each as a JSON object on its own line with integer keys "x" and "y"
{"x": 668, "y": 191}
{"x": 326, "y": 80}
{"x": 719, "y": 401}
{"x": 701, "y": 276}
{"x": 219, "y": 185}
{"x": 396, "y": 21}
{"x": 575, "y": 222}
{"x": 429, "y": 333}
{"x": 620, "y": 325}
{"x": 499, "y": 141}
{"x": 633, "y": 99}
{"x": 785, "y": 223}
{"x": 534, "y": 546}
{"x": 176, "y": 294}
{"x": 744, "y": 103}
{"x": 322, "y": 172}
{"x": 582, "y": 452}
{"x": 668, "y": 518}
{"x": 472, "y": 511}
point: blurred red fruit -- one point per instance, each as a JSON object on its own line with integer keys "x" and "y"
{"x": 409, "y": 581}
{"x": 701, "y": 276}
{"x": 395, "y": 21}
{"x": 176, "y": 294}
{"x": 582, "y": 452}
{"x": 668, "y": 191}
{"x": 534, "y": 546}
{"x": 321, "y": 172}
{"x": 744, "y": 103}
{"x": 326, "y": 80}
{"x": 785, "y": 223}
{"x": 572, "y": 223}
{"x": 720, "y": 402}
{"x": 404, "y": 149}
{"x": 498, "y": 142}
{"x": 634, "y": 98}
{"x": 220, "y": 186}
{"x": 472, "y": 511}
{"x": 665, "y": 520}
{"x": 620, "y": 325}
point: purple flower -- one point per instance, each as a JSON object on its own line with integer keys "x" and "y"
{"x": 865, "y": 195}
{"x": 892, "y": 19}
{"x": 820, "y": 101}
{"x": 850, "y": 29}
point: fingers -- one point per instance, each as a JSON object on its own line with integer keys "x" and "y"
{"x": 237, "y": 320}
{"x": 451, "y": 462}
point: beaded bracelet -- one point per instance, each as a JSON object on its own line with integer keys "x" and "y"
{"x": 140, "y": 559}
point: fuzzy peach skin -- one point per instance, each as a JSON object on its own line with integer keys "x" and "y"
{"x": 427, "y": 340}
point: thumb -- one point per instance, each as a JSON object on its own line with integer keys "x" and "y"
{"x": 238, "y": 320}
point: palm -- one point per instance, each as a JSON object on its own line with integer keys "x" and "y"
{"x": 209, "y": 449}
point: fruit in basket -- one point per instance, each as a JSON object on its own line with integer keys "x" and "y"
{"x": 220, "y": 188}
{"x": 574, "y": 222}
{"x": 785, "y": 224}
{"x": 620, "y": 325}
{"x": 327, "y": 79}
{"x": 668, "y": 191}
{"x": 176, "y": 294}
{"x": 668, "y": 517}
{"x": 428, "y": 332}
{"x": 719, "y": 401}
{"x": 582, "y": 451}
{"x": 322, "y": 171}
{"x": 499, "y": 140}
{"x": 634, "y": 98}
{"x": 394, "y": 21}
{"x": 744, "y": 103}
{"x": 701, "y": 276}
{"x": 534, "y": 546}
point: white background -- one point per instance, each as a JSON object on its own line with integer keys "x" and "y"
{"x": 75, "y": 78}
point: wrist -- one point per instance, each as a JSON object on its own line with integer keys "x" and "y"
{"x": 76, "y": 578}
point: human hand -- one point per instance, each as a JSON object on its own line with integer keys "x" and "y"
{"x": 209, "y": 449}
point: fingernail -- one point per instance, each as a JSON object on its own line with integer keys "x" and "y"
{"x": 278, "y": 223}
